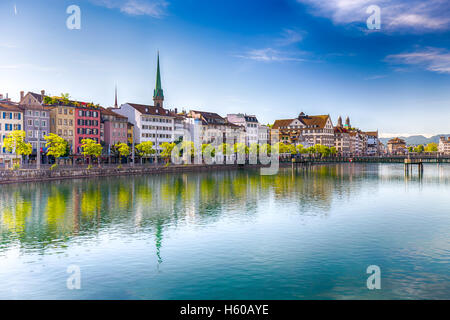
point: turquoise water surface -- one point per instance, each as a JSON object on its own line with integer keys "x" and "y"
{"x": 230, "y": 235}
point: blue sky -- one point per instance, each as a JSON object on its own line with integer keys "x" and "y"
{"x": 264, "y": 57}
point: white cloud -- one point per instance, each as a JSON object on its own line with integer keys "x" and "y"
{"x": 396, "y": 15}
{"x": 29, "y": 67}
{"x": 290, "y": 36}
{"x": 269, "y": 55}
{"x": 152, "y": 8}
{"x": 277, "y": 50}
{"x": 431, "y": 59}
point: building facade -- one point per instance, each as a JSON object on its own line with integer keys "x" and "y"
{"x": 373, "y": 143}
{"x": 444, "y": 145}
{"x": 150, "y": 123}
{"x": 211, "y": 128}
{"x": 342, "y": 141}
{"x": 250, "y": 124}
{"x": 11, "y": 119}
{"x": 87, "y": 126}
{"x": 36, "y": 125}
{"x": 306, "y": 130}
{"x": 396, "y": 146}
{"x": 114, "y": 128}
{"x": 62, "y": 123}
{"x": 36, "y": 119}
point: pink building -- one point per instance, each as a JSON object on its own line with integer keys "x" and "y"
{"x": 87, "y": 126}
{"x": 114, "y": 128}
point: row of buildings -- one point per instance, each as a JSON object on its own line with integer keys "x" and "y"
{"x": 311, "y": 130}
{"x": 39, "y": 114}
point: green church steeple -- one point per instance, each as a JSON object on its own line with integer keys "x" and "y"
{"x": 158, "y": 94}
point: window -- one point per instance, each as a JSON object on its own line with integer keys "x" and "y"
{"x": 65, "y": 111}
{"x": 30, "y": 122}
{"x": 70, "y": 133}
{"x": 70, "y": 122}
{"x": 36, "y": 113}
{"x": 43, "y": 123}
{"x": 60, "y": 132}
{"x": 30, "y": 133}
{"x": 60, "y": 122}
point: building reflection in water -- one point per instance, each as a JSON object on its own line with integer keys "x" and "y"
{"x": 51, "y": 214}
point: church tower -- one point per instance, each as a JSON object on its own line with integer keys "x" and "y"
{"x": 115, "y": 100}
{"x": 347, "y": 122}
{"x": 158, "y": 94}
{"x": 339, "y": 124}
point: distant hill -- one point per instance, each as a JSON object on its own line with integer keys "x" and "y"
{"x": 416, "y": 140}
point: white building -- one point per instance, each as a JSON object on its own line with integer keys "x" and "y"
{"x": 151, "y": 123}
{"x": 11, "y": 119}
{"x": 263, "y": 134}
{"x": 250, "y": 124}
{"x": 444, "y": 145}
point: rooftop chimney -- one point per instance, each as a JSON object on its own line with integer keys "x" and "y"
{"x": 43, "y": 94}
{"x": 22, "y": 94}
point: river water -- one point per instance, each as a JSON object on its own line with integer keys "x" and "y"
{"x": 230, "y": 235}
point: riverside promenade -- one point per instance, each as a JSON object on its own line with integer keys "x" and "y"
{"x": 82, "y": 172}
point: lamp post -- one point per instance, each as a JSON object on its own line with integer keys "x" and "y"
{"x": 156, "y": 146}
{"x": 38, "y": 148}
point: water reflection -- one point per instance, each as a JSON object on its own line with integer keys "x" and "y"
{"x": 305, "y": 234}
{"x": 36, "y": 216}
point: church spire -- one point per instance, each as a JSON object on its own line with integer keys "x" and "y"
{"x": 115, "y": 101}
{"x": 158, "y": 94}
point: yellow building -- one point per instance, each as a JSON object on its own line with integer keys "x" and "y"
{"x": 130, "y": 132}
{"x": 62, "y": 123}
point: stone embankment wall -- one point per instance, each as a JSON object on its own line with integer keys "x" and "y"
{"x": 17, "y": 176}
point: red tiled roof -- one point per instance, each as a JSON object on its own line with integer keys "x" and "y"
{"x": 110, "y": 112}
{"x": 11, "y": 108}
{"x": 282, "y": 123}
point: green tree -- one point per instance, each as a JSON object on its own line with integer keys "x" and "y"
{"x": 291, "y": 149}
{"x": 333, "y": 151}
{"x": 224, "y": 148}
{"x": 265, "y": 148}
{"x": 167, "y": 149}
{"x": 419, "y": 149}
{"x": 123, "y": 150}
{"x": 208, "y": 151}
{"x": 301, "y": 149}
{"x": 240, "y": 148}
{"x": 324, "y": 151}
{"x": 56, "y": 146}
{"x": 432, "y": 147}
{"x": 187, "y": 148}
{"x": 15, "y": 142}
{"x": 145, "y": 149}
{"x": 91, "y": 149}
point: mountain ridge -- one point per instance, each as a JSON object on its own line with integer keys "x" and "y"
{"x": 417, "y": 139}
